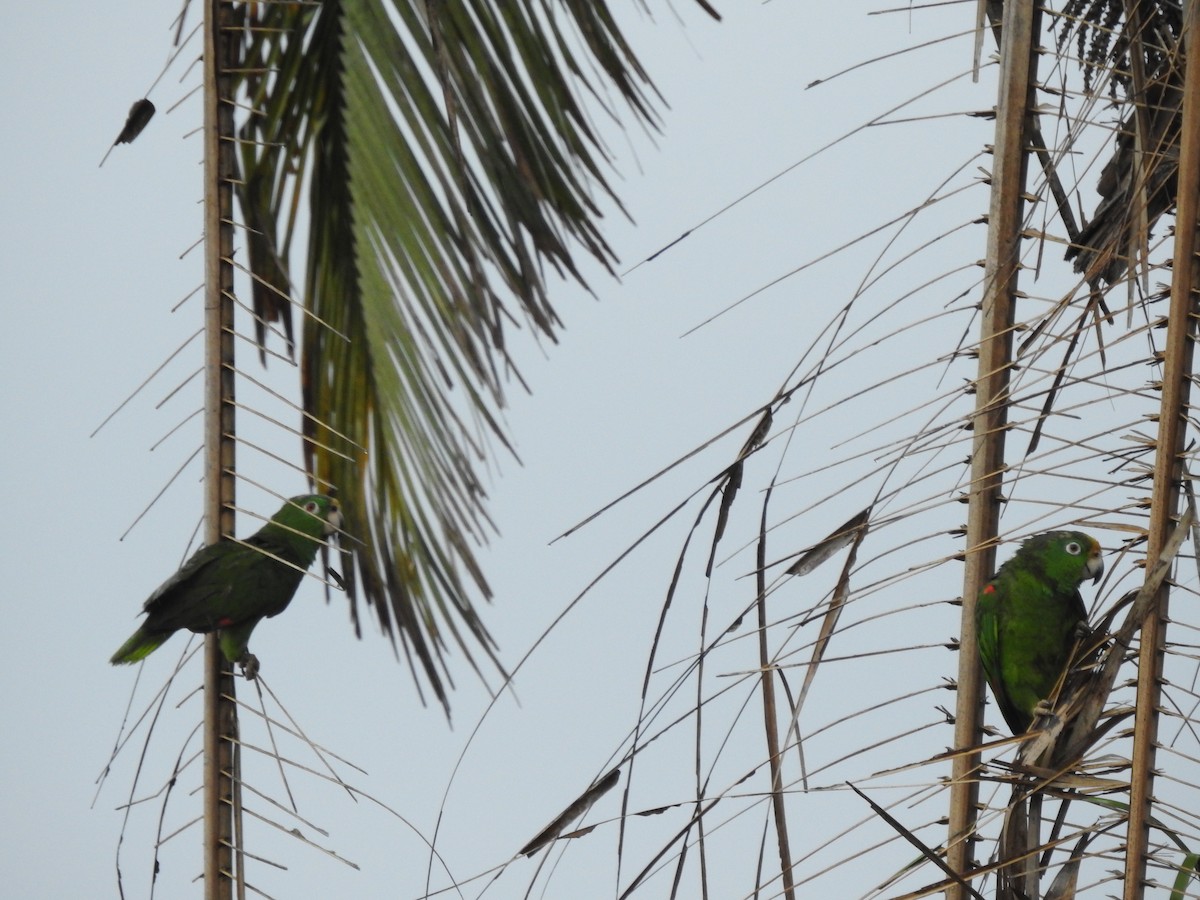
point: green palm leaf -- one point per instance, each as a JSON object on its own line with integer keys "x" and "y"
{"x": 447, "y": 159}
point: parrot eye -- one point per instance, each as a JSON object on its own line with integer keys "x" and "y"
{"x": 311, "y": 507}
{"x": 1073, "y": 548}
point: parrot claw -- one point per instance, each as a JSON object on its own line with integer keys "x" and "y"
{"x": 1043, "y": 708}
{"x": 249, "y": 664}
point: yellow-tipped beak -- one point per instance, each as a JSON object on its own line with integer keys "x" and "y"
{"x": 333, "y": 521}
{"x": 1095, "y": 563}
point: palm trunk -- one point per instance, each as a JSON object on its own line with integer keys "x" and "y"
{"x": 1168, "y": 469}
{"x": 220, "y": 711}
{"x": 1019, "y": 32}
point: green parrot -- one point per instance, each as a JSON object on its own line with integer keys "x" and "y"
{"x": 1029, "y": 617}
{"x": 229, "y": 586}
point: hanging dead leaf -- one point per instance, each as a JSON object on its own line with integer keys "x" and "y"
{"x": 139, "y": 117}
{"x": 843, "y": 536}
{"x": 581, "y": 805}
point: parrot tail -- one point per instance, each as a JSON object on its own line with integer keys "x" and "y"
{"x": 138, "y": 647}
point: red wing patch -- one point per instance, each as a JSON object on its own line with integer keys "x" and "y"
{"x": 990, "y": 589}
{"x": 224, "y": 622}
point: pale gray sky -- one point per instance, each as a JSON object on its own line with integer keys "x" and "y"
{"x": 93, "y": 264}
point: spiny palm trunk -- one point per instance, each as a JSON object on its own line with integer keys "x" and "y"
{"x": 1019, "y": 33}
{"x": 220, "y": 710}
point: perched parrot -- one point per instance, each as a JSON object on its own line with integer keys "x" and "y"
{"x": 1029, "y": 617}
{"x": 229, "y": 586}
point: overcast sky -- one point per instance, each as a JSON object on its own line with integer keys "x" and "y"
{"x": 96, "y": 258}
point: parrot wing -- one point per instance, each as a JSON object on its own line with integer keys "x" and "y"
{"x": 991, "y": 650}
{"x": 272, "y": 577}
{"x": 190, "y": 598}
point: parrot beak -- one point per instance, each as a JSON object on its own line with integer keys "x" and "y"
{"x": 1095, "y": 563}
{"x": 333, "y": 521}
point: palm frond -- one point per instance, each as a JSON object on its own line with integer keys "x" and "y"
{"x": 447, "y": 157}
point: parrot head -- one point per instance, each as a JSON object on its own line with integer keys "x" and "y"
{"x": 312, "y": 514}
{"x": 1068, "y": 557}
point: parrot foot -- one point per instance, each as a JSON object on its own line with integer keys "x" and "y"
{"x": 1043, "y": 708}
{"x": 249, "y": 664}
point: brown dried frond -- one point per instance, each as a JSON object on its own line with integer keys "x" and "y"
{"x": 1104, "y": 44}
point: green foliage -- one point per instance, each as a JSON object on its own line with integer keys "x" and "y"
{"x": 447, "y": 160}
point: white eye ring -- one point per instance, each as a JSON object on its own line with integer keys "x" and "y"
{"x": 1073, "y": 548}
{"x": 311, "y": 507}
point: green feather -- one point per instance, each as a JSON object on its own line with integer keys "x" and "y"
{"x": 228, "y": 587}
{"x": 1028, "y": 619}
